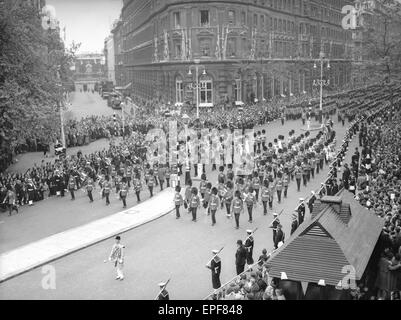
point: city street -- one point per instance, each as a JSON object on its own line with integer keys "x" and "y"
{"x": 154, "y": 252}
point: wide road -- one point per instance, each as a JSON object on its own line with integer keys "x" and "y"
{"x": 84, "y": 104}
{"x": 156, "y": 251}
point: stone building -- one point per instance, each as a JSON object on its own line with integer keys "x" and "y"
{"x": 89, "y": 69}
{"x": 247, "y": 50}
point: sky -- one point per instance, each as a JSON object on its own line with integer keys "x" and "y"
{"x": 86, "y": 21}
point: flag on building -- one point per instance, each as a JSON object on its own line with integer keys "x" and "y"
{"x": 183, "y": 46}
{"x": 218, "y": 48}
{"x": 166, "y": 46}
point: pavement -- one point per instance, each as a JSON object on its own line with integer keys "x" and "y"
{"x": 156, "y": 251}
{"x": 25, "y": 258}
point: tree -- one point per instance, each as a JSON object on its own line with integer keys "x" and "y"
{"x": 33, "y": 66}
{"x": 381, "y": 41}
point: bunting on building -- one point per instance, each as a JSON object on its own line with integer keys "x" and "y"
{"x": 183, "y": 46}
{"x": 218, "y": 47}
{"x": 225, "y": 37}
{"x": 166, "y": 47}
{"x": 189, "y": 45}
{"x": 253, "y": 45}
{"x": 155, "y": 54}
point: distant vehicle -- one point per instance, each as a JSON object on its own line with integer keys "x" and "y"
{"x": 59, "y": 150}
{"x": 106, "y": 88}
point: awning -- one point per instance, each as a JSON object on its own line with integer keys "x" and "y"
{"x": 125, "y": 87}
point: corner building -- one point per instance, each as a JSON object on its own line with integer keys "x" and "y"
{"x": 247, "y": 50}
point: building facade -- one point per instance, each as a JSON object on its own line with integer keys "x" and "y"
{"x": 110, "y": 59}
{"x": 89, "y": 69}
{"x": 247, "y": 50}
{"x": 117, "y": 32}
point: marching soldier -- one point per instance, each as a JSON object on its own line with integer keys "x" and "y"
{"x": 249, "y": 244}
{"x": 124, "y": 193}
{"x": 237, "y": 207}
{"x": 11, "y": 200}
{"x": 250, "y": 201}
{"x": 178, "y": 201}
{"x": 89, "y": 189}
{"x": 265, "y": 196}
{"x": 279, "y": 186}
{"x": 151, "y": 182}
{"x": 163, "y": 295}
{"x": 298, "y": 177}
{"x": 106, "y": 190}
{"x": 294, "y": 223}
{"x": 286, "y": 182}
{"x": 137, "y": 187}
{"x": 215, "y": 266}
{"x": 214, "y": 203}
{"x": 117, "y": 257}
{"x": 195, "y": 203}
{"x": 71, "y": 187}
{"x": 256, "y": 185}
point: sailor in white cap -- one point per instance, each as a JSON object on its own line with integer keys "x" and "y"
{"x": 294, "y": 223}
{"x": 249, "y": 244}
{"x": 163, "y": 295}
{"x": 274, "y": 224}
{"x": 215, "y": 266}
{"x": 117, "y": 256}
{"x": 301, "y": 211}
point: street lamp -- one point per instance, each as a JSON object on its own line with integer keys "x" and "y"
{"x": 195, "y": 85}
{"x": 321, "y": 82}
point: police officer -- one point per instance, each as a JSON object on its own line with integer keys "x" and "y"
{"x": 215, "y": 266}
{"x": 89, "y": 189}
{"x": 249, "y": 244}
{"x": 240, "y": 257}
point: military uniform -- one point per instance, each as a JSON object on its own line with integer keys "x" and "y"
{"x": 71, "y": 187}
{"x": 89, "y": 189}
{"x": 214, "y": 202}
{"x": 215, "y": 266}
{"x": 117, "y": 256}
{"x": 249, "y": 244}
{"x": 123, "y": 194}
{"x": 178, "y": 200}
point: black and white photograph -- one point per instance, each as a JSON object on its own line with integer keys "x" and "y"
{"x": 200, "y": 150}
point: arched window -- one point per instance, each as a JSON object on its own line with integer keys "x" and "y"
{"x": 206, "y": 92}
{"x": 179, "y": 91}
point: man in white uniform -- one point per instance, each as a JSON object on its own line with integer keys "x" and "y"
{"x": 117, "y": 256}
